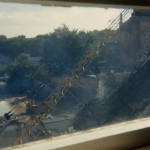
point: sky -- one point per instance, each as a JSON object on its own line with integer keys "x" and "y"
{"x": 31, "y": 20}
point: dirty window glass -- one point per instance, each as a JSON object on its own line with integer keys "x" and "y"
{"x": 64, "y": 70}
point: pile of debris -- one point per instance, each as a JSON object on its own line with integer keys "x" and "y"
{"x": 130, "y": 101}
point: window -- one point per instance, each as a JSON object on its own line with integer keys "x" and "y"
{"x": 67, "y": 69}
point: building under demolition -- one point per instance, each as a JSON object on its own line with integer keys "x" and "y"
{"x": 135, "y": 39}
{"x": 131, "y": 45}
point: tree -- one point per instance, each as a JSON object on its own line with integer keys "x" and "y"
{"x": 23, "y": 60}
{"x": 2, "y": 70}
{"x": 62, "y": 50}
{"x": 3, "y": 38}
{"x": 19, "y": 73}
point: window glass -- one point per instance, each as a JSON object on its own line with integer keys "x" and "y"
{"x": 68, "y": 69}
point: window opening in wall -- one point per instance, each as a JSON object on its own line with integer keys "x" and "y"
{"x": 77, "y": 70}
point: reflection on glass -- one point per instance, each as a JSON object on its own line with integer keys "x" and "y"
{"x": 71, "y": 79}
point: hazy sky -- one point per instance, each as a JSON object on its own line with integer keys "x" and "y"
{"x": 32, "y": 20}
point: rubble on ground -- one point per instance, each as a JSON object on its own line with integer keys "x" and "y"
{"x": 130, "y": 101}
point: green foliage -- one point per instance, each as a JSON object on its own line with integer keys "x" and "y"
{"x": 23, "y": 60}
{"x": 19, "y": 75}
{"x": 15, "y": 46}
{"x": 59, "y": 52}
{"x": 63, "y": 49}
{"x": 2, "y": 70}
